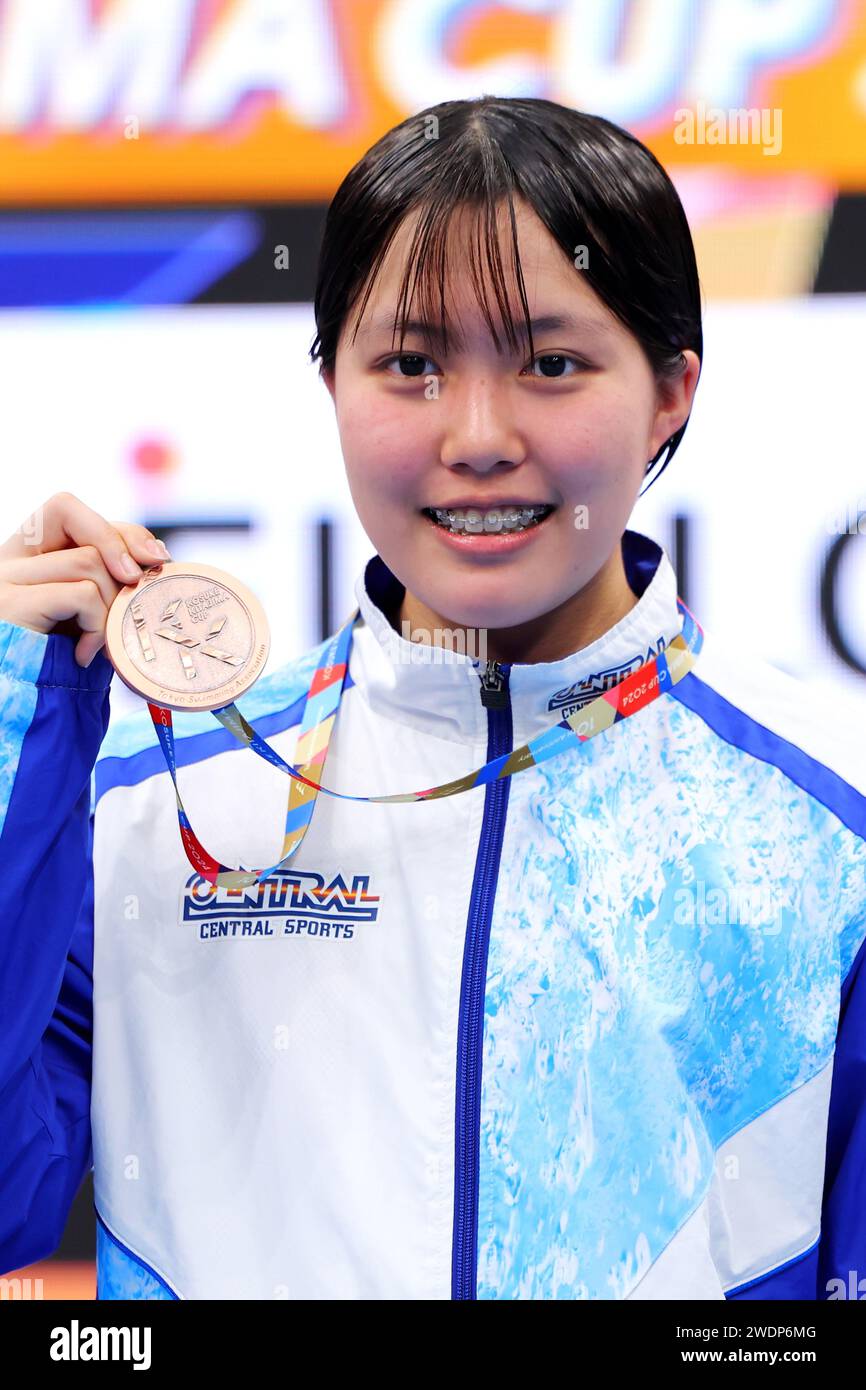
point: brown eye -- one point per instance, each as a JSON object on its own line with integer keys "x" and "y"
{"x": 557, "y": 362}
{"x": 415, "y": 362}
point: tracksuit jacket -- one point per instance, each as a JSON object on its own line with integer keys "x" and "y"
{"x": 593, "y": 1031}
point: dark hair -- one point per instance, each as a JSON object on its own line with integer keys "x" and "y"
{"x": 589, "y": 181}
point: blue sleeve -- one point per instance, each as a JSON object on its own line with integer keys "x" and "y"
{"x": 53, "y": 717}
{"x": 842, "y": 1251}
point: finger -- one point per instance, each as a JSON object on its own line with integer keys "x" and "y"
{"x": 143, "y": 544}
{"x": 65, "y": 520}
{"x": 87, "y": 647}
{"x": 63, "y": 566}
{"x": 80, "y": 600}
{"x": 91, "y": 617}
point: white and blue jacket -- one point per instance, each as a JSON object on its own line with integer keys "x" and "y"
{"x": 532, "y": 1041}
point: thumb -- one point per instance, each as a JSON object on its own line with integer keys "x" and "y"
{"x": 88, "y": 646}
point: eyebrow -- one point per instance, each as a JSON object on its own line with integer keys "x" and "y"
{"x": 547, "y": 323}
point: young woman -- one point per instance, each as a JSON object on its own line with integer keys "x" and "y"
{"x": 585, "y": 1024}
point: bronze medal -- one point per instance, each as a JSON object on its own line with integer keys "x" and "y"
{"x": 187, "y": 637}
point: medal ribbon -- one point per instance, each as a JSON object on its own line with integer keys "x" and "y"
{"x": 634, "y": 692}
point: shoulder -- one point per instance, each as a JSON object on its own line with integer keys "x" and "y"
{"x": 815, "y": 739}
{"x": 806, "y": 731}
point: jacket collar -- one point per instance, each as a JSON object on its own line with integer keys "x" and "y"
{"x": 439, "y": 691}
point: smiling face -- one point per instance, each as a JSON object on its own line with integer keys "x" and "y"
{"x": 572, "y": 429}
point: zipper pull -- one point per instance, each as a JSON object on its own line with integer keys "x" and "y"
{"x": 494, "y": 692}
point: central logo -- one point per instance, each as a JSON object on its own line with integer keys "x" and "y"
{"x": 575, "y": 696}
{"x": 289, "y": 902}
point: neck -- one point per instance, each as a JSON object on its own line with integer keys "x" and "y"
{"x": 574, "y": 624}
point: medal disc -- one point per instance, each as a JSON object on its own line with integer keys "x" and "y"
{"x": 187, "y": 637}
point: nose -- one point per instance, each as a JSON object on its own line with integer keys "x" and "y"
{"x": 480, "y": 430}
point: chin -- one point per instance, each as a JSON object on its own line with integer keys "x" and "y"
{"x": 491, "y": 615}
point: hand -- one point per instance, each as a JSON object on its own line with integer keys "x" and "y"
{"x": 67, "y": 576}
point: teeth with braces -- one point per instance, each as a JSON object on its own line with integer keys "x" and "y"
{"x": 473, "y": 522}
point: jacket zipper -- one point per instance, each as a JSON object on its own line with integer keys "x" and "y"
{"x": 496, "y": 698}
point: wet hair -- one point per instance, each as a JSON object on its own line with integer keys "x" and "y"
{"x": 590, "y": 182}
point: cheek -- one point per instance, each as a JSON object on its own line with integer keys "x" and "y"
{"x": 355, "y": 419}
{"x": 605, "y": 436}
{"x": 382, "y": 461}
{"x": 383, "y": 452}
{"x": 373, "y": 425}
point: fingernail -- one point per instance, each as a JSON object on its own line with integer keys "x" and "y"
{"x": 158, "y": 549}
{"x": 129, "y": 567}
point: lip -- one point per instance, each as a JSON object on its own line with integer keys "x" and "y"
{"x": 490, "y": 542}
{"x": 485, "y": 506}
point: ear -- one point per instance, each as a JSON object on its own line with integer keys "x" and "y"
{"x": 675, "y": 396}
{"x": 328, "y": 377}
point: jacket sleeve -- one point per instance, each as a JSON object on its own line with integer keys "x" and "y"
{"x": 53, "y": 717}
{"x": 842, "y": 1254}
{"x": 834, "y": 1267}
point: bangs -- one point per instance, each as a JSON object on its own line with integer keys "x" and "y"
{"x": 457, "y": 232}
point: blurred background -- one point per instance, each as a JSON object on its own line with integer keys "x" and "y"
{"x": 165, "y": 167}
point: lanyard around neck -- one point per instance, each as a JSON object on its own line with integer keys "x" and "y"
{"x": 634, "y": 692}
